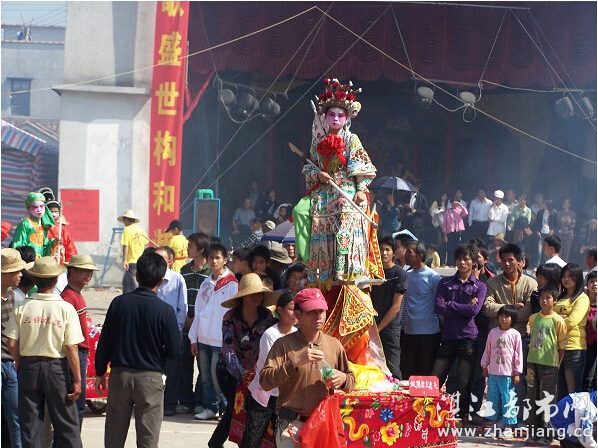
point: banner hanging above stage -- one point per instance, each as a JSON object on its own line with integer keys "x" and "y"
{"x": 166, "y": 138}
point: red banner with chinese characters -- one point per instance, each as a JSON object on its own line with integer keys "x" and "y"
{"x": 166, "y": 139}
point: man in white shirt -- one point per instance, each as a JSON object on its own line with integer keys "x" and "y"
{"x": 478, "y": 215}
{"x": 552, "y": 247}
{"x": 497, "y": 215}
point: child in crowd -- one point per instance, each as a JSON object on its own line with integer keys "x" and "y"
{"x": 589, "y": 376}
{"x": 433, "y": 259}
{"x": 548, "y": 274}
{"x": 546, "y": 350}
{"x": 205, "y": 333}
{"x": 502, "y": 364}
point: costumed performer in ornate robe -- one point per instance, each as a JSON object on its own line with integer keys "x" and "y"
{"x": 339, "y": 233}
{"x": 33, "y": 229}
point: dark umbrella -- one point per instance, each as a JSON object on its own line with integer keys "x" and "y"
{"x": 393, "y": 183}
{"x": 283, "y": 233}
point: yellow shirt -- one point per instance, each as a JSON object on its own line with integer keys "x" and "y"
{"x": 135, "y": 238}
{"x": 43, "y": 325}
{"x": 575, "y": 315}
{"x": 178, "y": 243}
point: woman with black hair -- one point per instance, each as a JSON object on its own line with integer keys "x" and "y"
{"x": 573, "y": 306}
{"x": 260, "y": 404}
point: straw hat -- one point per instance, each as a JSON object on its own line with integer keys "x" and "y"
{"x": 500, "y": 237}
{"x": 251, "y": 284}
{"x": 46, "y": 267}
{"x": 82, "y": 261}
{"x": 128, "y": 214}
{"x": 12, "y": 261}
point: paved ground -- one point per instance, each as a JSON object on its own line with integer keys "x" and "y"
{"x": 182, "y": 430}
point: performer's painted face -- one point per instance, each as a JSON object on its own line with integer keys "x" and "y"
{"x": 336, "y": 118}
{"x": 37, "y": 208}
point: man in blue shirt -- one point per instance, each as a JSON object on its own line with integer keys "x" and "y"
{"x": 420, "y": 335}
{"x": 172, "y": 291}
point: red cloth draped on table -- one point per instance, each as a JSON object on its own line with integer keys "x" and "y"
{"x": 397, "y": 419}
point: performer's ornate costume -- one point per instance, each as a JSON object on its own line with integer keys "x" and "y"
{"x": 339, "y": 234}
{"x": 342, "y": 245}
{"x": 33, "y": 231}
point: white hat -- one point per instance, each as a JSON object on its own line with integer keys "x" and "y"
{"x": 128, "y": 214}
{"x": 499, "y": 194}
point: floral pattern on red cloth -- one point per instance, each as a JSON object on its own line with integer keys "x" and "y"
{"x": 237, "y": 426}
{"x": 397, "y": 419}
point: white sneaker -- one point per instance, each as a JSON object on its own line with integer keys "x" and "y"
{"x": 197, "y": 409}
{"x": 206, "y": 414}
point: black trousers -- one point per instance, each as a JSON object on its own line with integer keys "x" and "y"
{"x": 258, "y": 418}
{"x": 418, "y": 353}
{"x": 228, "y": 385}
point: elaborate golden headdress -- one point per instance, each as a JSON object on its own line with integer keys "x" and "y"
{"x": 338, "y": 95}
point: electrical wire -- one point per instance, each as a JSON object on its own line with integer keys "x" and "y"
{"x": 288, "y": 110}
{"x": 315, "y": 30}
{"x": 359, "y": 38}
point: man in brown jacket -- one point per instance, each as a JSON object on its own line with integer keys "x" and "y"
{"x": 293, "y": 365}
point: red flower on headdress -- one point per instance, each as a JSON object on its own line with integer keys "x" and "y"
{"x": 332, "y": 145}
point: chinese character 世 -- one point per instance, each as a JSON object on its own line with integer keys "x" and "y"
{"x": 167, "y": 95}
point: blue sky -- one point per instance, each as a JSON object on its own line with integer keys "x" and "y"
{"x": 35, "y": 12}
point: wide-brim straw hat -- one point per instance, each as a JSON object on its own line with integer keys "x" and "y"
{"x": 500, "y": 237}
{"x": 12, "y": 261}
{"x": 46, "y": 267}
{"x": 252, "y": 284}
{"x": 128, "y": 214}
{"x": 82, "y": 261}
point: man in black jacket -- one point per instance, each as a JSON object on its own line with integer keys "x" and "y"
{"x": 139, "y": 332}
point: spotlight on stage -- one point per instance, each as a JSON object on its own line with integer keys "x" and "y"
{"x": 241, "y": 103}
{"x": 467, "y": 97}
{"x": 228, "y": 98}
{"x": 586, "y": 108}
{"x": 564, "y": 107}
{"x": 425, "y": 97}
{"x": 269, "y": 108}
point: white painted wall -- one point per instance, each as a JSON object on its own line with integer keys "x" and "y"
{"x": 105, "y": 119}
